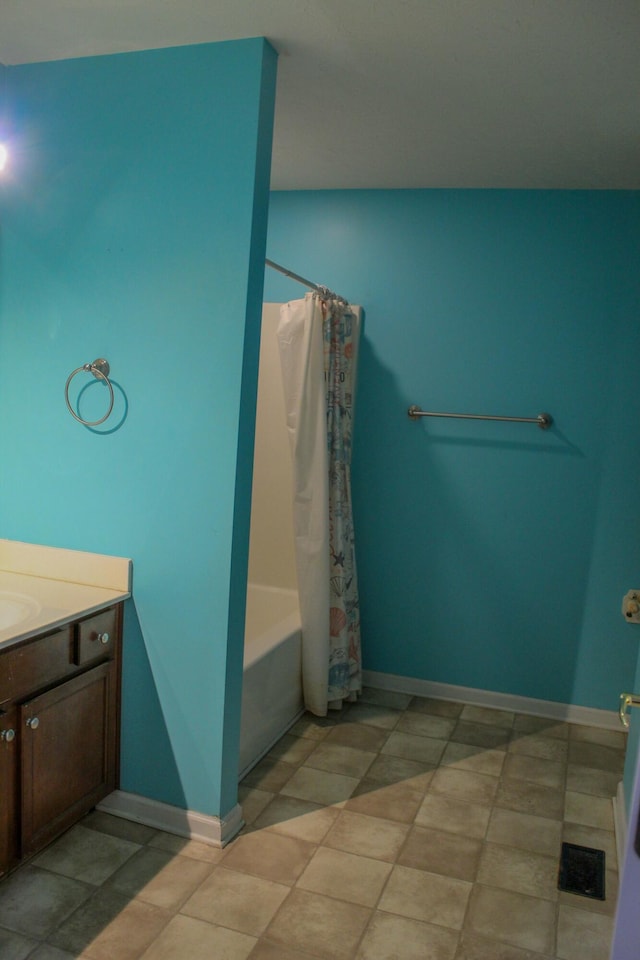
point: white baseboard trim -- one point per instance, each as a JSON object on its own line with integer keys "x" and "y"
{"x": 550, "y": 709}
{"x": 620, "y": 823}
{"x": 183, "y": 823}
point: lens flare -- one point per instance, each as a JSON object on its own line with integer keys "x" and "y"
{"x": 4, "y": 156}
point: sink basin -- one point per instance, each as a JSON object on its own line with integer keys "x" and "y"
{"x": 15, "y": 608}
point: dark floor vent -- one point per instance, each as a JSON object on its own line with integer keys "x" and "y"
{"x": 582, "y": 871}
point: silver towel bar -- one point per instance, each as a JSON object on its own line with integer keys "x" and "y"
{"x": 544, "y": 420}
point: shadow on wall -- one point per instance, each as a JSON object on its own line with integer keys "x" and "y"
{"x": 115, "y": 416}
{"x": 148, "y": 765}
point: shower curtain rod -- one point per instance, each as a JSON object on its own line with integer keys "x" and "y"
{"x": 317, "y": 287}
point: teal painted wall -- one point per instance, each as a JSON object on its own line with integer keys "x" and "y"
{"x": 491, "y": 555}
{"x": 133, "y": 227}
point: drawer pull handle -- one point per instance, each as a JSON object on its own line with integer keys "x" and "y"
{"x": 103, "y": 637}
{"x": 8, "y": 735}
{"x": 33, "y": 723}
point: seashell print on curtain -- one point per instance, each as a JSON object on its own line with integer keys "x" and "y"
{"x": 345, "y": 664}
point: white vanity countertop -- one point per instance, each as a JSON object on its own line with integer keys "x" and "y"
{"x": 56, "y": 586}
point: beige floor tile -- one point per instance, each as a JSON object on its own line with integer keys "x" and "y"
{"x": 473, "y": 947}
{"x": 185, "y": 937}
{"x": 236, "y": 900}
{"x": 290, "y": 749}
{"x": 531, "y": 798}
{"x": 464, "y": 785}
{"x": 160, "y": 878}
{"x": 543, "y": 748}
{"x": 319, "y": 786}
{"x": 111, "y": 925}
{"x": 388, "y": 769}
{"x": 86, "y": 855}
{"x": 400, "y": 938}
{"x": 519, "y": 870}
{"x": 253, "y": 801}
{"x": 438, "y": 852}
{"x": 329, "y": 927}
{"x": 589, "y": 811}
{"x": 464, "y": 756}
{"x": 439, "y": 708}
{"x": 46, "y": 952}
{"x": 181, "y": 846}
{"x": 362, "y": 736}
{"x": 264, "y": 853}
{"x": 583, "y": 935}
{"x": 350, "y": 878}
{"x": 426, "y": 896}
{"x": 314, "y": 728}
{"x": 598, "y": 783}
{"x": 586, "y": 754}
{"x": 525, "y": 831}
{"x": 298, "y": 818}
{"x": 512, "y": 918}
{"x": 375, "y": 715}
{"x": 336, "y": 758}
{"x": 385, "y": 698}
{"x": 524, "y": 723}
{"x": 118, "y": 827}
{"x": 495, "y": 718}
{"x": 426, "y": 725}
{"x": 394, "y": 801}
{"x": 412, "y": 747}
{"x": 15, "y": 946}
{"x": 400, "y": 796}
{"x": 617, "y": 739}
{"x": 480, "y": 735}
{"x": 264, "y": 950}
{"x": 35, "y": 902}
{"x": 367, "y": 836}
{"x": 548, "y": 773}
{"x": 455, "y": 816}
{"x": 270, "y": 775}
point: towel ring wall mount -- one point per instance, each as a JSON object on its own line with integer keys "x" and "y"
{"x": 100, "y": 369}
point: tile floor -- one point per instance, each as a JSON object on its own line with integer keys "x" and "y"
{"x": 402, "y": 829}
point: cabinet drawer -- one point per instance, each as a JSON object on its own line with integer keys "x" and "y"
{"x": 96, "y": 637}
{"x": 36, "y": 665}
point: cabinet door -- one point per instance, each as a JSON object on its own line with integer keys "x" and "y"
{"x": 68, "y": 753}
{"x": 8, "y": 789}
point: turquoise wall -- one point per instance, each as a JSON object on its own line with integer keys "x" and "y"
{"x": 491, "y": 555}
{"x": 133, "y": 227}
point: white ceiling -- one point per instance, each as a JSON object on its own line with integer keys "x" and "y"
{"x": 402, "y": 93}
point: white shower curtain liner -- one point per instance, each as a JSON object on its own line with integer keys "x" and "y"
{"x": 301, "y": 343}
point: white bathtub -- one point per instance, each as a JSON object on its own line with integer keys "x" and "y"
{"x": 272, "y": 686}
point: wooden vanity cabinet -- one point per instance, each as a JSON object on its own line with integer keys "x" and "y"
{"x": 8, "y": 787}
{"x": 64, "y": 709}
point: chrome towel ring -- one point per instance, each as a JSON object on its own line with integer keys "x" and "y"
{"x": 100, "y": 370}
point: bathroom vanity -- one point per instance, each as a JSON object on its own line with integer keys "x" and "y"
{"x": 60, "y": 668}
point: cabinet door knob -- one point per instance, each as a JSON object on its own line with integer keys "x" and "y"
{"x": 8, "y": 735}
{"x": 33, "y": 723}
{"x": 103, "y": 637}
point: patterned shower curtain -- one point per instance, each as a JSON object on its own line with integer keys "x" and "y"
{"x": 345, "y": 664}
{"x": 318, "y": 342}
